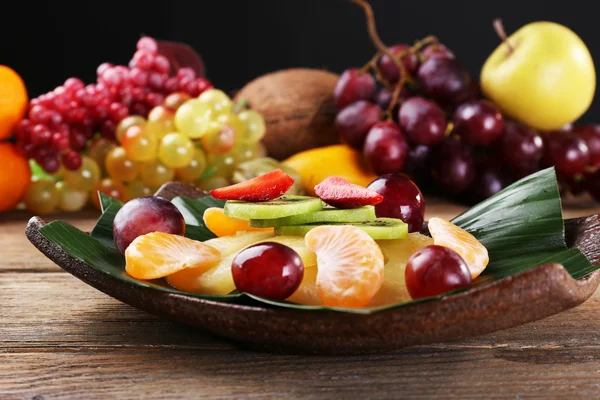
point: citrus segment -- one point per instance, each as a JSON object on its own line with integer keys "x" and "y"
{"x": 222, "y": 225}
{"x": 157, "y": 254}
{"x": 350, "y": 265}
{"x": 471, "y": 250}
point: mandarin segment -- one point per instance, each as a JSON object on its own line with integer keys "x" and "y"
{"x": 222, "y": 225}
{"x": 350, "y": 265}
{"x": 158, "y": 254}
{"x": 447, "y": 234}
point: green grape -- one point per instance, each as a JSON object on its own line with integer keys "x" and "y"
{"x": 194, "y": 170}
{"x": 155, "y": 174}
{"x": 119, "y": 167}
{"x": 225, "y": 164}
{"x": 136, "y": 189}
{"x": 161, "y": 121}
{"x": 175, "y": 100}
{"x": 214, "y": 182}
{"x": 176, "y": 150}
{"x": 255, "y": 126}
{"x": 126, "y": 123}
{"x": 219, "y": 139}
{"x": 192, "y": 118}
{"x": 234, "y": 122}
{"x": 110, "y": 187}
{"x": 245, "y": 152}
{"x": 60, "y": 174}
{"x": 139, "y": 144}
{"x": 41, "y": 197}
{"x": 217, "y": 101}
{"x": 85, "y": 177}
{"x": 99, "y": 149}
{"x": 70, "y": 199}
{"x": 261, "y": 150}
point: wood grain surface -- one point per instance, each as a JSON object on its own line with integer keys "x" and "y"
{"x": 61, "y": 339}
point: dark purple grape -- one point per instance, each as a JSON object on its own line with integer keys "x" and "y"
{"x": 436, "y": 50}
{"x": 575, "y": 186}
{"x": 388, "y": 68}
{"x": 386, "y": 148}
{"x": 144, "y": 215}
{"x": 521, "y": 148}
{"x": 353, "y": 85}
{"x": 591, "y": 135}
{"x": 454, "y": 168}
{"x": 384, "y": 97}
{"x": 353, "y": 122}
{"x": 592, "y": 184}
{"x": 435, "y": 270}
{"x": 445, "y": 80}
{"x": 424, "y": 122}
{"x": 419, "y": 161}
{"x": 489, "y": 181}
{"x": 401, "y": 199}
{"x": 567, "y": 152}
{"x": 268, "y": 269}
{"x": 478, "y": 122}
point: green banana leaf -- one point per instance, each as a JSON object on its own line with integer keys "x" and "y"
{"x": 522, "y": 227}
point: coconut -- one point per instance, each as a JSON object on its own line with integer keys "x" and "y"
{"x": 297, "y": 105}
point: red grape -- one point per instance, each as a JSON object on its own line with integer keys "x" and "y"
{"x": 424, "y": 122}
{"x": 144, "y": 215}
{"x": 591, "y": 135}
{"x": 268, "y": 269}
{"x": 521, "y": 148}
{"x": 592, "y": 184}
{"x": 435, "y": 270}
{"x": 419, "y": 162}
{"x": 401, "y": 199}
{"x": 353, "y": 85}
{"x": 384, "y": 98}
{"x": 436, "y": 50}
{"x": 388, "y": 68}
{"x": 567, "y": 152}
{"x": 489, "y": 181}
{"x": 386, "y": 148}
{"x": 478, "y": 122}
{"x": 454, "y": 166}
{"x": 445, "y": 80}
{"x": 72, "y": 160}
{"x": 353, "y": 122}
{"x": 148, "y": 44}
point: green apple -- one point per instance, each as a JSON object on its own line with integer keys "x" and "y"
{"x": 542, "y": 75}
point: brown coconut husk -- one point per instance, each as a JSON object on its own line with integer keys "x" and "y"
{"x": 298, "y": 109}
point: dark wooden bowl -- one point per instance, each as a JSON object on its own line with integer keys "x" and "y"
{"x": 524, "y": 297}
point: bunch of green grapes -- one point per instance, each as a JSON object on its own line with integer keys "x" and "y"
{"x": 196, "y": 140}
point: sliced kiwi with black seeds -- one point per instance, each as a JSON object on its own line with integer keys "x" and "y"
{"x": 379, "y": 229}
{"x": 326, "y": 215}
{"x": 281, "y": 207}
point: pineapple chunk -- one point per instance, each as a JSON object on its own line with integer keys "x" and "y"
{"x": 396, "y": 254}
{"x": 219, "y": 280}
{"x": 307, "y": 291}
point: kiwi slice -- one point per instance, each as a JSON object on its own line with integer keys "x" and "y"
{"x": 326, "y": 215}
{"x": 281, "y": 207}
{"x": 379, "y": 229}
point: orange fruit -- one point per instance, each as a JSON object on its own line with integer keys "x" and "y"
{"x": 350, "y": 265}
{"x": 13, "y": 100}
{"x": 158, "y": 254}
{"x": 15, "y": 176}
{"x": 445, "y": 233}
{"x": 222, "y": 225}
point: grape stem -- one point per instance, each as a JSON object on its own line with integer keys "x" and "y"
{"x": 382, "y": 49}
{"x": 499, "y": 28}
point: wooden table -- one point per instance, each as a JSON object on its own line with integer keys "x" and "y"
{"x": 61, "y": 339}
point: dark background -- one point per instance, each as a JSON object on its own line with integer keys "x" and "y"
{"x": 49, "y": 41}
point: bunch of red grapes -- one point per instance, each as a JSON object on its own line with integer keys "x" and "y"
{"x": 60, "y": 123}
{"x": 446, "y": 136}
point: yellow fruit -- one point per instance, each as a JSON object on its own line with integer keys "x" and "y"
{"x": 317, "y": 164}
{"x": 546, "y": 82}
{"x": 396, "y": 254}
{"x": 307, "y": 292}
{"x": 190, "y": 280}
{"x": 447, "y": 234}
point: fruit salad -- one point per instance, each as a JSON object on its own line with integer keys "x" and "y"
{"x": 335, "y": 249}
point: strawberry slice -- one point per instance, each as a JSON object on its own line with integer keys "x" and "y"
{"x": 340, "y": 193}
{"x": 266, "y": 187}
